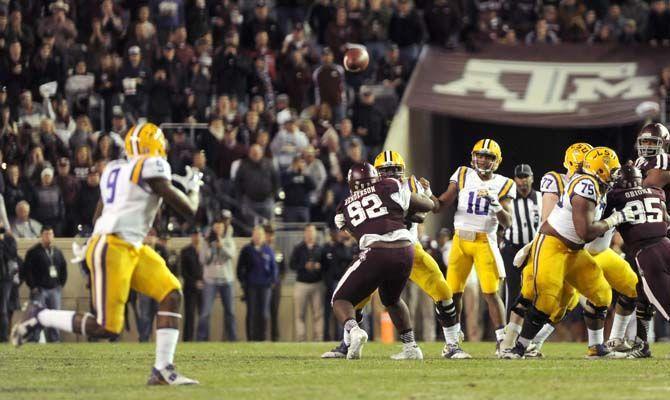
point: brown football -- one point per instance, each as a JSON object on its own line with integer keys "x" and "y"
{"x": 356, "y": 58}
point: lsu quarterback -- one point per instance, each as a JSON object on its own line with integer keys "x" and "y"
{"x": 483, "y": 202}
{"x": 616, "y": 270}
{"x": 131, "y": 192}
{"x": 425, "y": 271}
{"x": 559, "y": 260}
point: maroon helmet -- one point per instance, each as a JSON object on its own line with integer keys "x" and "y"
{"x": 362, "y": 175}
{"x": 627, "y": 177}
{"x": 652, "y": 140}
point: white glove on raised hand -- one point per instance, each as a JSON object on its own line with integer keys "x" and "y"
{"x": 191, "y": 181}
{"x": 619, "y": 217}
{"x": 494, "y": 203}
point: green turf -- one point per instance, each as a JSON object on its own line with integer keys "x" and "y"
{"x": 294, "y": 371}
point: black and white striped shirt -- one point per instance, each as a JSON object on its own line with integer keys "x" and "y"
{"x": 525, "y": 218}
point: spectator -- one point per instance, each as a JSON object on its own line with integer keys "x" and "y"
{"x": 180, "y": 152}
{"x": 567, "y": 11}
{"x": 369, "y": 122}
{"x": 30, "y": 112}
{"x": 541, "y": 34}
{"x": 340, "y": 32}
{"x": 169, "y": 16}
{"x": 391, "y": 72}
{"x": 520, "y": 14}
{"x": 248, "y": 130}
{"x": 119, "y": 127}
{"x": 87, "y": 200}
{"x": 336, "y": 256}
{"x": 315, "y": 170}
{"x": 17, "y": 29}
{"x": 134, "y": 78}
{"x": 45, "y": 273}
{"x": 629, "y": 35}
{"x": 106, "y": 149}
{"x": 83, "y": 162}
{"x": 45, "y": 67}
{"x": 443, "y": 20}
{"x": 230, "y": 151}
{"x": 161, "y": 91}
{"x": 59, "y": 25}
{"x": 23, "y": 226}
{"x": 257, "y": 272}
{"x": 191, "y": 271}
{"x": 257, "y": 183}
{"x": 260, "y": 81}
{"x": 614, "y": 20}
{"x": 49, "y": 204}
{"x": 216, "y": 256}
{"x": 34, "y": 164}
{"x": 308, "y": 289}
{"x": 354, "y": 155}
{"x": 82, "y": 135}
{"x": 289, "y": 141}
{"x": 230, "y": 72}
{"x": 54, "y": 147}
{"x": 638, "y": 11}
{"x": 406, "y": 30}
{"x": 376, "y": 19}
{"x": 260, "y": 21}
{"x": 9, "y": 276}
{"x": 658, "y": 26}
{"x": 329, "y": 84}
{"x": 16, "y": 190}
{"x": 297, "y": 187}
{"x": 69, "y": 188}
{"x": 276, "y": 289}
{"x": 320, "y": 15}
{"x": 209, "y": 204}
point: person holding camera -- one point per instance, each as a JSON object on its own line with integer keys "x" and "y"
{"x": 216, "y": 256}
{"x": 45, "y": 273}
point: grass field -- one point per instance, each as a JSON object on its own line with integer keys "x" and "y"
{"x": 294, "y": 371}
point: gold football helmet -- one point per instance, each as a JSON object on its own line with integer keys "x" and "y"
{"x": 486, "y": 156}
{"x": 574, "y": 156}
{"x": 146, "y": 139}
{"x": 601, "y": 163}
{"x": 390, "y": 163}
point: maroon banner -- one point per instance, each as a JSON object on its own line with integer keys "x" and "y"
{"x": 553, "y": 86}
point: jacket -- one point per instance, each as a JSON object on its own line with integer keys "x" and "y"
{"x": 257, "y": 266}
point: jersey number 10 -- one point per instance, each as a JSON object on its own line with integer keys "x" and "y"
{"x": 370, "y": 206}
{"x": 479, "y": 206}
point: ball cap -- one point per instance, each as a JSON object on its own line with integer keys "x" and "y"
{"x": 522, "y": 171}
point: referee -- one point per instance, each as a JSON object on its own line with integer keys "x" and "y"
{"x": 525, "y": 223}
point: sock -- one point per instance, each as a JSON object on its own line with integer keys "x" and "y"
{"x": 166, "y": 343}
{"x": 619, "y": 326}
{"x": 543, "y": 334}
{"x": 451, "y": 333}
{"x": 407, "y": 338}
{"x": 631, "y": 330}
{"x": 523, "y": 341}
{"x": 500, "y": 334}
{"x": 58, "y": 319}
{"x": 511, "y": 334}
{"x": 596, "y": 336}
{"x": 643, "y": 329}
{"x": 348, "y": 325}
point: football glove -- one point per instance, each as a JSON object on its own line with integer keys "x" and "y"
{"x": 191, "y": 181}
{"x": 619, "y": 217}
{"x": 522, "y": 255}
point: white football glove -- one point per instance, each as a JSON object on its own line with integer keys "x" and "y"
{"x": 191, "y": 181}
{"x": 620, "y": 217}
{"x": 494, "y": 203}
{"x": 522, "y": 255}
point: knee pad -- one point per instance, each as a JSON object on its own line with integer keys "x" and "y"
{"x": 521, "y": 305}
{"x": 537, "y": 317}
{"x": 446, "y": 313}
{"x": 645, "y": 311}
{"x": 594, "y": 312}
{"x": 627, "y": 303}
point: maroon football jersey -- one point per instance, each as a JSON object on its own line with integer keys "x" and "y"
{"x": 661, "y": 161}
{"x": 375, "y": 210}
{"x": 647, "y": 204}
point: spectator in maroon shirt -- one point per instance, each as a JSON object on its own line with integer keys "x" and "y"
{"x": 230, "y": 150}
{"x": 329, "y": 84}
{"x": 296, "y": 76}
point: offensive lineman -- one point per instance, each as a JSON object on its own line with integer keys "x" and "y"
{"x": 483, "y": 200}
{"x": 374, "y": 213}
{"x": 132, "y": 191}
{"x": 558, "y": 255}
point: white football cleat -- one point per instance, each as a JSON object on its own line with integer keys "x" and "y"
{"x": 534, "y": 351}
{"x": 619, "y": 345}
{"x": 358, "y": 338}
{"x": 454, "y": 352}
{"x": 409, "y": 353}
{"x": 338, "y": 352}
{"x": 169, "y": 376}
{"x": 22, "y": 330}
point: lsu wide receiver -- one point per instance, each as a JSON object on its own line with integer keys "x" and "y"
{"x": 617, "y": 271}
{"x": 425, "y": 271}
{"x": 483, "y": 202}
{"x": 558, "y": 256}
{"x": 131, "y": 192}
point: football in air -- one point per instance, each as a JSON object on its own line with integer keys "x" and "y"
{"x": 356, "y": 58}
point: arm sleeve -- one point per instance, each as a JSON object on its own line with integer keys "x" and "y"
{"x": 549, "y": 184}
{"x": 454, "y": 176}
{"x": 586, "y": 188}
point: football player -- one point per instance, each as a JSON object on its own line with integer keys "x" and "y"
{"x": 425, "y": 270}
{"x": 616, "y": 270}
{"x": 653, "y": 160}
{"x": 558, "y": 255}
{"x": 645, "y": 237}
{"x": 132, "y": 191}
{"x": 374, "y": 213}
{"x": 483, "y": 202}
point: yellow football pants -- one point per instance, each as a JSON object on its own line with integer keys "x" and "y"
{"x": 116, "y": 266}
{"x": 618, "y": 272}
{"x": 461, "y": 257}
{"x": 427, "y": 276}
{"x": 554, "y": 265}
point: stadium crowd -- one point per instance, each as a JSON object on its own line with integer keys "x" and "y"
{"x": 281, "y": 119}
